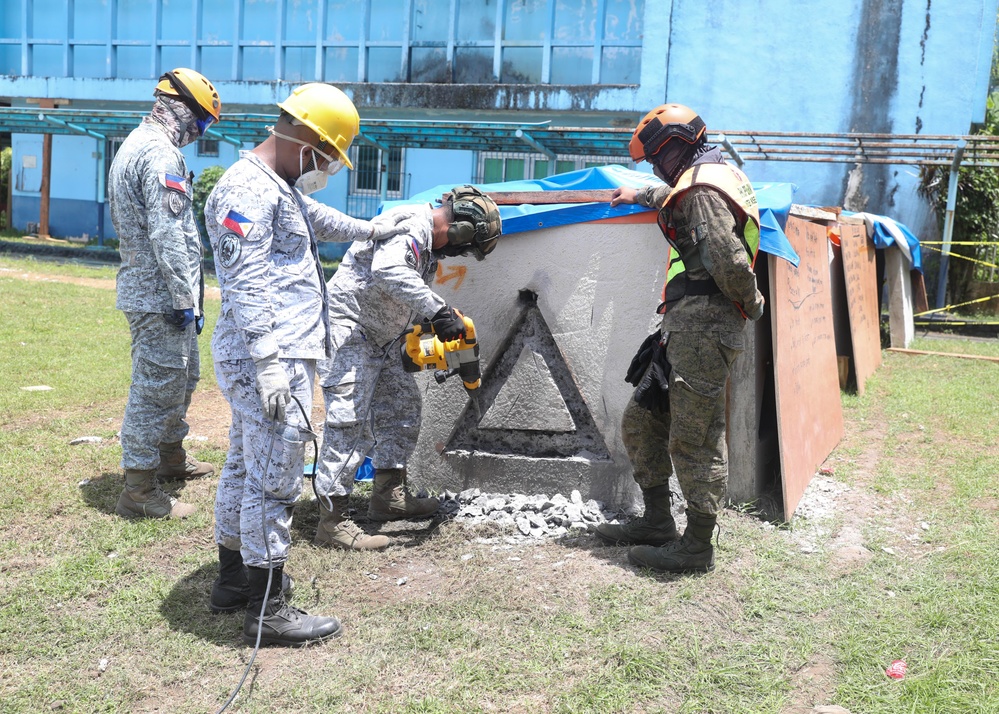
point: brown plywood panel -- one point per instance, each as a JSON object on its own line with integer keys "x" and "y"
{"x": 862, "y": 301}
{"x": 809, "y": 413}
{"x": 537, "y": 198}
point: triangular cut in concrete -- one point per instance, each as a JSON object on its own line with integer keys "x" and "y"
{"x": 529, "y": 402}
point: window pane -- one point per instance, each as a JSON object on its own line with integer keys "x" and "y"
{"x": 492, "y": 171}
{"x": 521, "y": 65}
{"x": 428, "y": 65}
{"x": 90, "y": 62}
{"x": 299, "y": 16}
{"x": 133, "y": 21}
{"x": 47, "y": 61}
{"x": 572, "y": 65}
{"x": 10, "y": 60}
{"x": 216, "y": 63}
{"x": 133, "y": 62}
{"x": 562, "y": 167}
{"x": 258, "y": 63}
{"x": 623, "y": 20}
{"x": 621, "y": 65}
{"x": 383, "y": 64}
{"x": 178, "y": 20}
{"x": 260, "y": 21}
{"x": 387, "y": 20}
{"x": 540, "y": 169}
{"x": 575, "y": 21}
{"x": 473, "y": 66}
{"x": 395, "y": 169}
{"x": 525, "y": 20}
{"x": 514, "y": 170}
{"x": 341, "y": 64}
{"x": 343, "y": 20}
{"x": 366, "y": 168}
{"x": 476, "y": 21}
{"x": 299, "y": 64}
{"x": 430, "y": 20}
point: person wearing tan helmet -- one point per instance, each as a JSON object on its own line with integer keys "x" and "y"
{"x": 709, "y": 217}
{"x": 159, "y": 288}
{"x": 272, "y": 329}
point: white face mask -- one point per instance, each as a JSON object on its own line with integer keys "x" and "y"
{"x": 314, "y": 179}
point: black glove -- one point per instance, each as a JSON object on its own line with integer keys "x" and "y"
{"x": 652, "y": 390}
{"x": 640, "y": 361}
{"x": 181, "y": 318}
{"x": 448, "y": 324}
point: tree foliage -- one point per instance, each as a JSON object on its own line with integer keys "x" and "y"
{"x": 976, "y": 214}
{"x": 203, "y": 186}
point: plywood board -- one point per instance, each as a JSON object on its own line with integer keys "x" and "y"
{"x": 537, "y": 198}
{"x": 862, "y": 301}
{"x": 809, "y": 413}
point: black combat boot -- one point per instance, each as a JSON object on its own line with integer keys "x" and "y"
{"x": 281, "y": 624}
{"x": 655, "y": 527}
{"x": 231, "y": 591}
{"x": 692, "y": 553}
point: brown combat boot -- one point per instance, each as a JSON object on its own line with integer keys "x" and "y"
{"x": 391, "y": 500}
{"x": 692, "y": 553}
{"x": 142, "y": 498}
{"x": 655, "y": 527}
{"x": 175, "y": 463}
{"x": 336, "y": 530}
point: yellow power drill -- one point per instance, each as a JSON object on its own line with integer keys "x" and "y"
{"x": 423, "y": 350}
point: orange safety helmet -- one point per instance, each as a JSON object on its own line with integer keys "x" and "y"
{"x": 665, "y": 122}
{"x": 194, "y": 89}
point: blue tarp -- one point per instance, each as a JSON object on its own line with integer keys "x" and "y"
{"x": 774, "y": 199}
{"x": 884, "y": 231}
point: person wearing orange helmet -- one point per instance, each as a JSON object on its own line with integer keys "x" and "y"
{"x": 159, "y": 289}
{"x": 676, "y": 420}
{"x": 272, "y": 329}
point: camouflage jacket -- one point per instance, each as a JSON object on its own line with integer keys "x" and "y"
{"x": 385, "y": 286}
{"x": 150, "y": 198}
{"x": 263, "y": 233}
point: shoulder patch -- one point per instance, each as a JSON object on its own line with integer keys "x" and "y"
{"x": 412, "y": 254}
{"x": 174, "y": 182}
{"x": 238, "y": 224}
{"x": 229, "y": 251}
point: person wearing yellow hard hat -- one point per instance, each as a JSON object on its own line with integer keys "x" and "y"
{"x": 676, "y": 420}
{"x": 273, "y": 328}
{"x": 159, "y": 289}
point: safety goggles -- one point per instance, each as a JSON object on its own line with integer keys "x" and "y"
{"x": 326, "y": 163}
{"x": 203, "y": 124}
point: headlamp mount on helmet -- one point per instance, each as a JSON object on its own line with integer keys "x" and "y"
{"x": 476, "y": 223}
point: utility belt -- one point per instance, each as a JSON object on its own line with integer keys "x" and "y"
{"x": 681, "y": 286}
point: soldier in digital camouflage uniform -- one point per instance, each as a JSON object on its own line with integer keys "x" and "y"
{"x": 272, "y": 328}
{"x": 378, "y": 291}
{"x": 159, "y": 289}
{"x": 709, "y": 215}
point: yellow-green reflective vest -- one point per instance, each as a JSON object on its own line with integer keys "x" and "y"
{"x": 735, "y": 187}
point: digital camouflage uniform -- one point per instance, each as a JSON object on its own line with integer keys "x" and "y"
{"x": 378, "y": 291}
{"x": 705, "y": 335}
{"x": 150, "y": 198}
{"x": 264, "y": 234}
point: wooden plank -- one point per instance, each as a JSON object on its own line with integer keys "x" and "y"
{"x": 942, "y": 354}
{"x": 861, "y": 301}
{"x": 809, "y": 412}
{"x": 516, "y": 198}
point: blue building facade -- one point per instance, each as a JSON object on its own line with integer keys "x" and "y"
{"x": 874, "y": 66}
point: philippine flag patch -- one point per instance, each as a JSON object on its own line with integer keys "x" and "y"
{"x": 413, "y": 255}
{"x": 176, "y": 183}
{"x": 240, "y": 225}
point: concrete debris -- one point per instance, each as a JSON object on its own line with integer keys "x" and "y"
{"x": 530, "y": 516}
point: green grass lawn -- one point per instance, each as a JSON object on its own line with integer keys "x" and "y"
{"x": 98, "y": 614}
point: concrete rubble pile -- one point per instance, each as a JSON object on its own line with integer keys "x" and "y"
{"x": 536, "y": 516}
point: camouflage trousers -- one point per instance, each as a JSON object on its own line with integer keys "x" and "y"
{"x": 691, "y": 436}
{"x": 372, "y": 406}
{"x": 262, "y": 476}
{"x": 166, "y": 368}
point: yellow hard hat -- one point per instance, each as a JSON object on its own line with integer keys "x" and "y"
{"x": 196, "y": 91}
{"x": 328, "y": 112}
